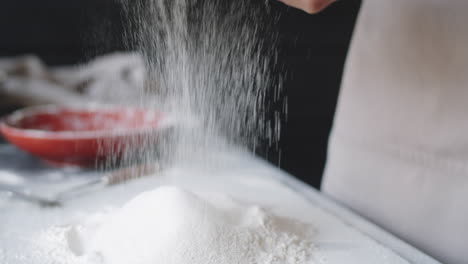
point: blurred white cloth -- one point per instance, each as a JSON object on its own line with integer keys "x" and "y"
{"x": 398, "y": 152}
{"x": 117, "y": 77}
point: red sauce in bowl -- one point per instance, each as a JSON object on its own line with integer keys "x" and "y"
{"x": 79, "y": 136}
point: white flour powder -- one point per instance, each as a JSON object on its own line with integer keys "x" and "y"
{"x": 173, "y": 226}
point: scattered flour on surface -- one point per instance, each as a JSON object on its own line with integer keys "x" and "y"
{"x": 10, "y": 178}
{"x": 173, "y": 226}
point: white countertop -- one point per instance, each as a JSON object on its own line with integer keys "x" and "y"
{"x": 342, "y": 236}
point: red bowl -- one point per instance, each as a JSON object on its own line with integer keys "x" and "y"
{"x": 79, "y": 136}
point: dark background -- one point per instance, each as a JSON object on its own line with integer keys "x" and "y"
{"x": 313, "y": 50}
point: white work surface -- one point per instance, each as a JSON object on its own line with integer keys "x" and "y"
{"x": 342, "y": 237}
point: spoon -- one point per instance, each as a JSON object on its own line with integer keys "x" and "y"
{"x": 25, "y": 196}
{"x": 109, "y": 179}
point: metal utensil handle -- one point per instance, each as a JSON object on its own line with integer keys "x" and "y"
{"x": 41, "y": 201}
{"x": 112, "y": 178}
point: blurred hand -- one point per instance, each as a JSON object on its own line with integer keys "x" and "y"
{"x": 309, "y": 6}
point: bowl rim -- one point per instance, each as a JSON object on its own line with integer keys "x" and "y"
{"x": 7, "y": 127}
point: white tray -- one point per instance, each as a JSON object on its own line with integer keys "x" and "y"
{"x": 342, "y": 238}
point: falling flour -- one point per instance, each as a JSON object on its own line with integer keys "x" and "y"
{"x": 172, "y": 226}
{"x": 210, "y": 66}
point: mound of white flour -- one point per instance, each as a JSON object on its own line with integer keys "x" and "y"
{"x": 173, "y": 226}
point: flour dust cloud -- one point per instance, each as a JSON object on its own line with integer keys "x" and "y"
{"x": 209, "y": 67}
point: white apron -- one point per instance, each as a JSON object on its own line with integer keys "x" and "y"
{"x": 398, "y": 152}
